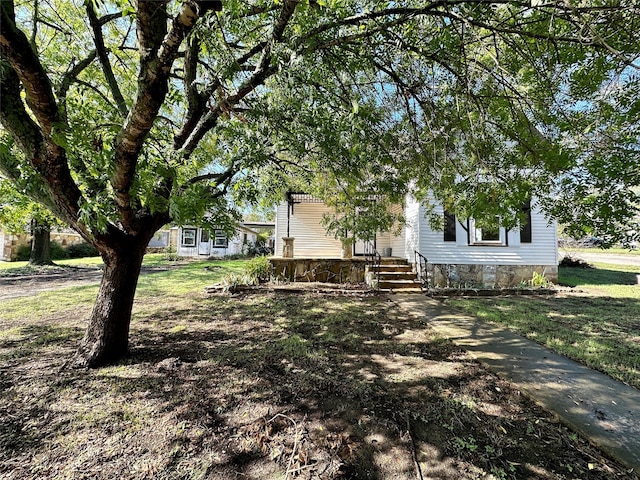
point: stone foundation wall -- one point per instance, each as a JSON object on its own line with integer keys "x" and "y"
{"x": 66, "y": 239}
{"x": 319, "y": 270}
{"x": 488, "y": 276}
{"x": 12, "y": 242}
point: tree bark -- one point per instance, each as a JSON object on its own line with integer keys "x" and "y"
{"x": 106, "y": 339}
{"x": 40, "y": 244}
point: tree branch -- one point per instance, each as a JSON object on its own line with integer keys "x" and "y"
{"x": 263, "y": 70}
{"x": 103, "y": 56}
{"x": 220, "y": 178}
{"x": 34, "y": 19}
{"x": 37, "y": 141}
{"x": 103, "y": 20}
{"x": 72, "y": 74}
{"x": 197, "y": 110}
{"x": 196, "y": 101}
{"x": 15, "y": 47}
{"x": 47, "y": 158}
{"x": 158, "y": 52}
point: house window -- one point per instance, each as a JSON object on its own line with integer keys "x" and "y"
{"x": 188, "y": 237}
{"x": 204, "y": 236}
{"x": 449, "y": 227}
{"x": 487, "y": 233}
{"x": 220, "y": 239}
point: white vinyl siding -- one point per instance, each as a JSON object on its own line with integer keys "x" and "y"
{"x": 305, "y": 225}
{"x": 397, "y": 242}
{"x": 312, "y": 240}
{"x": 541, "y": 251}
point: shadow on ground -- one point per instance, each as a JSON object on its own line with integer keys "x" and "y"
{"x": 277, "y": 386}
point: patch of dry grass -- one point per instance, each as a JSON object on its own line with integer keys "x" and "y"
{"x": 270, "y": 386}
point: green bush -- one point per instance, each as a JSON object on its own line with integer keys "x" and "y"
{"x": 258, "y": 268}
{"x": 24, "y": 252}
{"x": 57, "y": 252}
{"x": 81, "y": 250}
{"x": 170, "y": 254}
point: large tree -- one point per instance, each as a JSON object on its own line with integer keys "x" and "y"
{"x": 123, "y": 115}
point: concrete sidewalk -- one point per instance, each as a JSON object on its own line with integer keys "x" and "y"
{"x": 603, "y": 410}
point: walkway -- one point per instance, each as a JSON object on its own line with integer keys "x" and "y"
{"x": 605, "y": 411}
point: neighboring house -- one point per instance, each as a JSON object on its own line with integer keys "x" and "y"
{"x": 202, "y": 242}
{"x": 160, "y": 240}
{"x": 458, "y": 255}
{"x": 265, "y": 230}
{"x": 10, "y": 243}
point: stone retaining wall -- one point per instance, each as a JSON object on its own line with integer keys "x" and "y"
{"x": 12, "y": 242}
{"x": 490, "y": 276}
{"x": 325, "y": 270}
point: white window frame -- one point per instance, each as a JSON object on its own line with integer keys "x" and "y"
{"x": 475, "y": 236}
{"x": 220, "y": 239}
{"x": 188, "y": 237}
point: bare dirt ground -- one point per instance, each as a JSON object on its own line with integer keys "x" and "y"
{"x": 268, "y": 386}
{"x": 53, "y": 278}
{"x": 27, "y": 285}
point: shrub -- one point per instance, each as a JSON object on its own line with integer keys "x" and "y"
{"x": 170, "y": 254}
{"x": 572, "y": 262}
{"x": 539, "y": 281}
{"x": 23, "y": 253}
{"x": 56, "y": 250}
{"x": 232, "y": 281}
{"x": 258, "y": 268}
{"x": 259, "y": 248}
{"x": 81, "y": 250}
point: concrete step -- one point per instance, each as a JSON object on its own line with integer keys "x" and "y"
{"x": 395, "y": 275}
{"x": 402, "y": 290}
{"x": 398, "y": 284}
{"x": 391, "y": 268}
{"x": 393, "y": 261}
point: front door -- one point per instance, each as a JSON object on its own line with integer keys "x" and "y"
{"x": 364, "y": 247}
{"x": 204, "y": 246}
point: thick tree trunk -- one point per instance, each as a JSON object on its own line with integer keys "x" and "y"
{"x": 40, "y": 244}
{"x": 106, "y": 339}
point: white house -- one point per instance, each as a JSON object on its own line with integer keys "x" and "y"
{"x": 459, "y": 254}
{"x": 202, "y": 242}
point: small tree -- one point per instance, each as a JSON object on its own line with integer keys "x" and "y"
{"x": 19, "y": 214}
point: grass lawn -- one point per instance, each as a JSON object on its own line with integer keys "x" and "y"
{"x": 597, "y": 324}
{"x": 150, "y": 260}
{"x": 612, "y": 250}
{"x": 266, "y": 385}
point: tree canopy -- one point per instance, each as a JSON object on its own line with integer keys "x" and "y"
{"x": 121, "y": 116}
